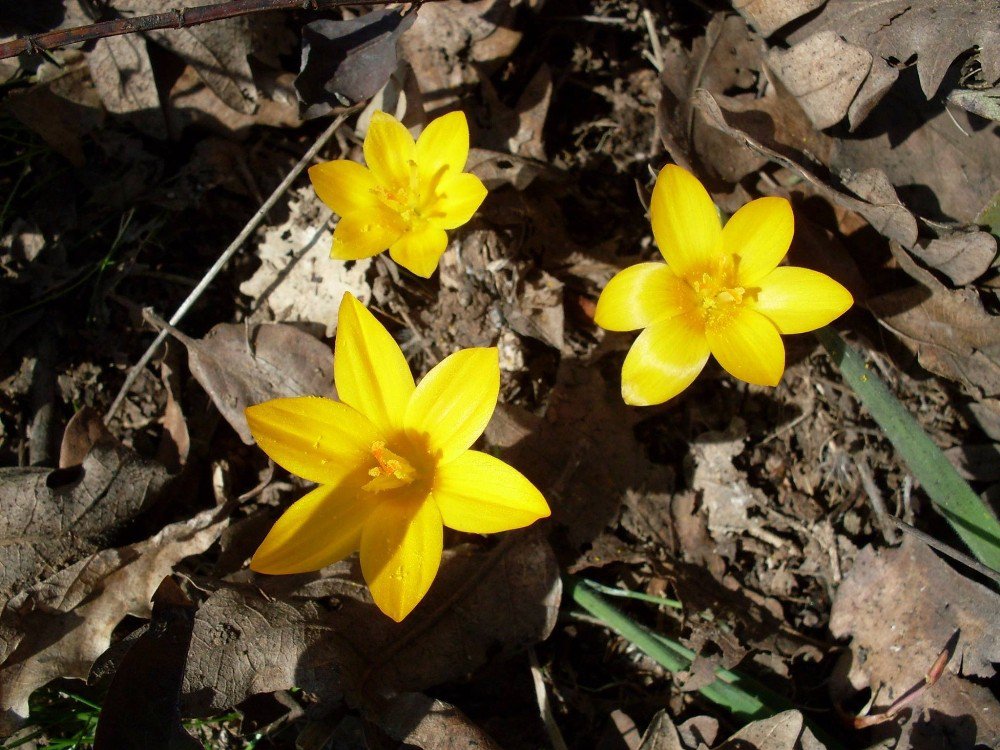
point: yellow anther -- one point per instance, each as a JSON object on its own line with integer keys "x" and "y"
{"x": 393, "y": 471}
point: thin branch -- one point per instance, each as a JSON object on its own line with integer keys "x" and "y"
{"x": 951, "y": 552}
{"x": 179, "y": 18}
{"x": 222, "y": 260}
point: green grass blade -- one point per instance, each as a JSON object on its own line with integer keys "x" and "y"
{"x": 954, "y": 498}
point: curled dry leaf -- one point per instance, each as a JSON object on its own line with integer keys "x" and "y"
{"x": 52, "y": 518}
{"x": 347, "y": 61}
{"x": 277, "y": 633}
{"x": 58, "y": 627}
{"x": 900, "y": 29}
{"x": 241, "y": 365}
{"x": 901, "y": 607}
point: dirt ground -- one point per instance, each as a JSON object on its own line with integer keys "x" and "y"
{"x": 768, "y": 513}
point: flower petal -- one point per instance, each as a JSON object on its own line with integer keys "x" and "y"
{"x": 319, "y": 529}
{"x": 420, "y": 249}
{"x": 315, "y": 438}
{"x": 800, "y": 299}
{"x": 443, "y": 146}
{"x": 345, "y": 186}
{"x": 401, "y": 552}
{"x": 459, "y": 196}
{"x": 389, "y": 150}
{"x": 369, "y": 368}
{"x": 685, "y": 221}
{"x": 640, "y": 295}
{"x": 749, "y": 347}
{"x": 760, "y": 234}
{"x": 365, "y": 233}
{"x": 664, "y": 360}
{"x": 482, "y": 495}
{"x": 454, "y": 402}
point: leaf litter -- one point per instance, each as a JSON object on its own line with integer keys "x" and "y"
{"x": 763, "y": 512}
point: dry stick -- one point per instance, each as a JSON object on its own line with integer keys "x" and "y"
{"x": 221, "y": 262}
{"x": 180, "y": 18}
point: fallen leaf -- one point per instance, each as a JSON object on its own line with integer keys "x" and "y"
{"x": 497, "y": 169}
{"x": 297, "y": 281}
{"x": 900, "y": 607}
{"x": 784, "y": 731}
{"x": 52, "y": 518}
{"x": 322, "y": 633}
{"x": 150, "y": 718}
{"x": 241, "y": 365}
{"x": 661, "y": 734}
{"x": 58, "y": 627}
{"x": 824, "y": 73}
{"x": 982, "y": 102}
{"x": 767, "y": 16}
{"x": 949, "y": 329}
{"x": 347, "y": 61}
{"x": 963, "y": 257}
{"x": 84, "y": 430}
{"x": 123, "y": 74}
{"x": 936, "y": 31}
{"x": 431, "y": 724}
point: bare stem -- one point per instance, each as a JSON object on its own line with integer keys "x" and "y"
{"x": 179, "y": 18}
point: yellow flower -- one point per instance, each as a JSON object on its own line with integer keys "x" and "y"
{"x": 393, "y": 463}
{"x": 721, "y": 292}
{"x": 407, "y": 197}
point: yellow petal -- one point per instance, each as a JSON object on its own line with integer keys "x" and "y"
{"x": 420, "y": 249}
{"x": 365, "y": 233}
{"x": 664, "y": 360}
{"x": 640, "y": 295}
{"x": 759, "y": 234}
{"x": 799, "y": 299}
{"x": 685, "y": 221}
{"x": 454, "y": 402}
{"x": 317, "y": 530}
{"x": 315, "y": 438}
{"x": 459, "y": 196}
{"x": 389, "y": 150}
{"x": 749, "y": 347}
{"x": 401, "y": 552}
{"x": 345, "y": 186}
{"x": 443, "y": 146}
{"x": 369, "y": 368}
{"x": 482, "y": 495}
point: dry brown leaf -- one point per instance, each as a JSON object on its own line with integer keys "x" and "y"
{"x": 784, "y": 731}
{"x": 900, "y": 607}
{"x": 277, "y": 634}
{"x": 963, "y": 257}
{"x": 123, "y": 74}
{"x": 767, "y": 16}
{"x": 661, "y": 734}
{"x": 949, "y": 329}
{"x": 58, "y": 627}
{"x": 451, "y": 42}
{"x": 824, "y": 73}
{"x": 497, "y": 169}
{"x": 84, "y": 430}
{"x": 297, "y": 280}
{"x": 241, "y": 365}
{"x": 52, "y": 518}
{"x": 432, "y": 724}
{"x": 936, "y": 31}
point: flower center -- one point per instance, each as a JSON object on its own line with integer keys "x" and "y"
{"x": 413, "y": 201}
{"x": 720, "y": 292}
{"x": 391, "y": 471}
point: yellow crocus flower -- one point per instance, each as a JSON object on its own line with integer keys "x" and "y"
{"x": 720, "y": 292}
{"x": 393, "y": 464}
{"x": 408, "y": 195}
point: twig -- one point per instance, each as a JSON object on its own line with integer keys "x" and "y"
{"x": 180, "y": 18}
{"x": 544, "y": 707}
{"x": 944, "y": 549}
{"x": 222, "y": 260}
